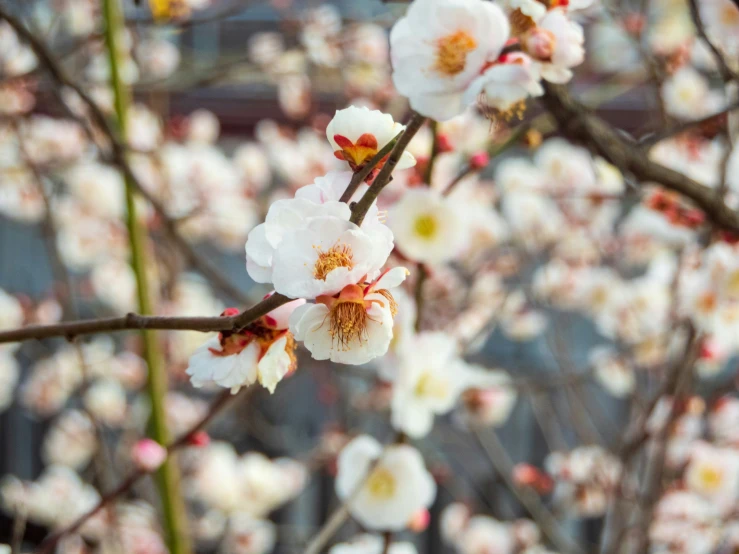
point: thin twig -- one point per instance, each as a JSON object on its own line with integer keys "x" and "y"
{"x": 577, "y": 123}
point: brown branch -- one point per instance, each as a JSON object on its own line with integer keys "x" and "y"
{"x": 578, "y": 124}
{"x": 654, "y": 138}
{"x": 503, "y": 464}
{"x": 727, "y": 74}
{"x": 118, "y": 153}
{"x": 132, "y": 321}
{"x": 359, "y": 210}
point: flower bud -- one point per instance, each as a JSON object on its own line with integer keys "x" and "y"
{"x": 419, "y": 521}
{"x": 199, "y": 439}
{"x": 148, "y": 455}
{"x": 539, "y": 44}
{"x": 480, "y": 160}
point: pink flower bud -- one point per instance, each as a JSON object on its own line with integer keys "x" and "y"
{"x": 419, "y": 521}
{"x": 148, "y": 455}
{"x": 540, "y": 43}
{"x": 199, "y": 439}
{"x": 479, "y": 160}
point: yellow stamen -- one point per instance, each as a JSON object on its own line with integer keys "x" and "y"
{"x": 339, "y": 255}
{"x": 710, "y": 477}
{"x": 391, "y": 301}
{"x": 430, "y": 387}
{"x": 520, "y": 22}
{"x": 451, "y": 52}
{"x": 347, "y": 321}
{"x": 425, "y": 226}
{"x": 381, "y": 483}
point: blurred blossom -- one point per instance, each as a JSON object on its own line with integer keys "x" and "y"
{"x": 9, "y": 374}
{"x": 157, "y": 57}
{"x": 71, "y": 440}
{"x": 106, "y": 401}
{"x": 391, "y": 490}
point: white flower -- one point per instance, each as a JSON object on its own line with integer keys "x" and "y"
{"x": 71, "y": 441}
{"x": 372, "y": 544}
{"x": 99, "y": 188}
{"x": 106, "y": 401}
{"x": 263, "y": 351}
{"x": 8, "y": 379}
{"x": 354, "y": 327}
{"x": 485, "y": 534}
{"x": 686, "y": 95}
{"x": 283, "y": 216}
{"x": 439, "y": 47}
{"x": 358, "y": 133}
{"x": 714, "y": 474}
{"x": 203, "y": 127}
{"x": 721, "y": 19}
{"x": 429, "y": 383}
{"x": 490, "y": 396}
{"x": 250, "y": 484}
{"x": 616, "y": 376}
{"x": 506, "y": 84}
{"x": 325, "y": 255}
{"x": 427, "y": 226}
{"x": 246, "y": 535}
{"x": 383, "y": 488}
{"x": 11, "y": 317}
{"x": 566, "y": 49}
{"x": 319, "y": 199}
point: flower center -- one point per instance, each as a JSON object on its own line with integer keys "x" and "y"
{"x": 451, "y": 52}
{"x": 520, "y": 22}
{"x": 356, "y": 153}
{"x": 730, "y": 15}
{"x": 347, "y": 321}
{"x": 381, "y": 483}
{"x": 429, "y": 386}
{"x": 710, "y": 477}
{"x": 732, "y": 287}
{"x": 425, "y": 226}
{"x": 339, "y": 255}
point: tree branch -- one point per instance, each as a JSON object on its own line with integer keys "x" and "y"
{"x": 578, "y": 124}
{"x": 359, "y": 210}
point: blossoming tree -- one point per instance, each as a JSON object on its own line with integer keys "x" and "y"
{"x": 466, "y": 200}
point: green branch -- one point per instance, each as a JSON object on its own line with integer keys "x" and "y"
{"x": 168, "y": 479}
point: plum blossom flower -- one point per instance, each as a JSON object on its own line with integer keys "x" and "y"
{"x": 9, "y": 373}
{"x": 372, "y": 544}
{"x": 249, "y": 484}
{"x": 294, "y": 218}
{"x": 383, "y": 488}
{"x": 358, "y": 133}
{"x": 353, "y": 326}
{"x": 428, "y": 227}
{"x": 325, "y": 255}
{"x": 506, "y": 84}
{"x": 713, "y": 472}
{"x": 439, "y": 47}
{"x": 557, "y": 42}
{"x": 263, "y": 351}
{"x": 428, "y": 383}
{"x": 687, "y": 95}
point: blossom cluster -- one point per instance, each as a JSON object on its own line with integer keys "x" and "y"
{"x": 484, "y": 241}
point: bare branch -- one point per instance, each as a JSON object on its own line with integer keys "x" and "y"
{"x": 578, "y": 124}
